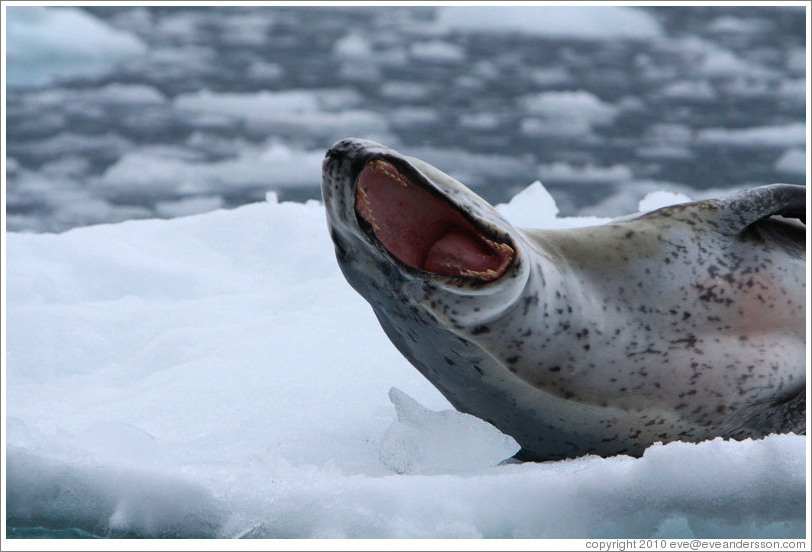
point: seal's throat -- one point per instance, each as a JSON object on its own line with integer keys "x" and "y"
{"x": 423, "y": 231}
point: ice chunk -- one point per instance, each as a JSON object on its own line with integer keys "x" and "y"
{"x": 770, "y": 136}
{"x": 587, "y": 174}
{"x": 534, "y": 207}
{"x": 724, "y": 63}
{"x": 47, "y": 43}
{"x": 580, "y": 23}
{"x": 148, "y": 172}
{"x": 697, "y": 91}
{"x": 579, "y": 105}
{"x": 353, "y": 46}
{"x": 438, "y": 51}
{"x": 330, "y": 113}
{"x": 423, "y": 441}
{"x": 530, "y": 207}
{"x": 792, "y": 161}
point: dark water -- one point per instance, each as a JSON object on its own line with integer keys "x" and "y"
{"x": 42, "y": 533}
{"x": 667, "y": 102}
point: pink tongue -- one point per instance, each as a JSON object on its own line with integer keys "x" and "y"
{"x": 458, "y": 252}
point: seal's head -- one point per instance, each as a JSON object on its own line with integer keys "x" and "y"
{"x": 397, "y": 221}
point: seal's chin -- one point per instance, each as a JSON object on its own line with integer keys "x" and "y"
{"x": 422, "y": 230}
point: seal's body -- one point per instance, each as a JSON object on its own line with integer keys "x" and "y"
{"x": 685, "y": 323}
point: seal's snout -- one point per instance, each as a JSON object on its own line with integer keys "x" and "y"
{"x": 343, "y": 162}
{"x": 339, "y": 152}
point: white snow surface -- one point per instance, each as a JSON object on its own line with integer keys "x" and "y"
{"x": 215, "y": 376}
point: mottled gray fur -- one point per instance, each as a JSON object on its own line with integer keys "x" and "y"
{"x": 686, "y": 323}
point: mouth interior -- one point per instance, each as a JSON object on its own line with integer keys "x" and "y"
{"x": 422, "y": 230}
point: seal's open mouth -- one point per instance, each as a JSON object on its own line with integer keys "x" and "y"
{"x": 423, "y": 231}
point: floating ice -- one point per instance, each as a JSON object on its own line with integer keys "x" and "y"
{"x": 772, "y": 136}
{"x": 587, "y": 174}
{"x": 147, "y": 174}
{"x": 697, "y": 91}
{"x": 738, "y": 25}
{"x": 438, "y": 51}
{"x": 327, "y": 113}
{"x": 792, "y": 161}
{"x": 579, "y": 105}
{"x": 353, "y": 46}
{"x": 724, "y": 63}
{"x": 580, "y": 23}
{"x": 49, "y": 43}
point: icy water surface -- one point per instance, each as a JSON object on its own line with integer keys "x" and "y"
{"x": 202, "y": 108}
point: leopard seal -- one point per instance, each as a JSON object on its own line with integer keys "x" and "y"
{"x": 685, "y": 323}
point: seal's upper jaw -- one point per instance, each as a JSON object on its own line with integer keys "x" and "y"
{"x": 421, "y": 228}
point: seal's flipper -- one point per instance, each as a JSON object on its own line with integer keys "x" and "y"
{"x": 743, "y": 209}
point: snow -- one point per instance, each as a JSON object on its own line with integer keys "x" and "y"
{"x": 215, "y": 376}
{"x": 577, "y": 23}
{"x": 45, "y": 44}
{"x": 188, "y": 206}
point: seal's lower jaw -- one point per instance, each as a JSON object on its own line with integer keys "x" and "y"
{"x": 422, "y": 230}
